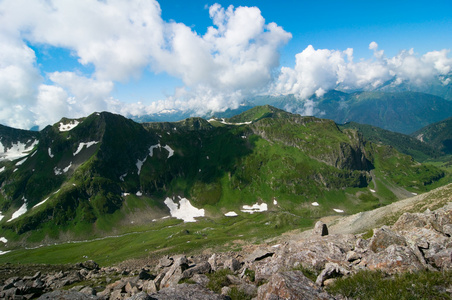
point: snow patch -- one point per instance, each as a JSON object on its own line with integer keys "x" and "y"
{"x": 231, "y": 214}
{"x": 67, "y": 168}
{"x": 57, "y": 171}
{"x": 16, "y": 151}
{"x": 3, "y": 240}
{"x": 275, "y": 202}
{"x": 20, "y": 211}
{"x": 1, "y": 216}
{"x": 168, "y": 148}
{"x": 21, "y": 162}
{"x": 68, "y": 126}
{"x": 4, "y": 252}
{"x": 139, "y": 194}
{"x": 50, "y": 153}
{"x": 338, "y": 210}
{"x": 81, "y": 145}
{"x": 122, "y": 177}
{"x": 2, "y": 169}
{"x": 42, "y": 202}
{"x": 170, "y": 151}
{"x": 315, "y": 204}
{"x": 140, "y": 164}
{"x": 184, "y": 210}
{"x": 415, "y": 194}
{"x": 373, "y": 191}
{"x": 125, "y": 194}
{"x": 255, "y": 208}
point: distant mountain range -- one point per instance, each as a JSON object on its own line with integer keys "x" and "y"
{"x": 80, "y": 175}
{"x": 404, "y": 112}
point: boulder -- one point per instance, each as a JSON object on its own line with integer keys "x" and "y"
{"x": 384, "y": 237}
{"x": 186, "y": 291}
{"x": 320, "y": 229}
{"x": 331, "y": 270}
{"x": 202, "y": 268}
{"x": 174, "y": 274}
{"x": 394, "y": 259}
{"x": 290, "y": 285}
{"x": 66, "y": 295}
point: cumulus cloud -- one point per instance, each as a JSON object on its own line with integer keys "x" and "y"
{"x": 317, "y": 71}
{"x": 120, "y": 39}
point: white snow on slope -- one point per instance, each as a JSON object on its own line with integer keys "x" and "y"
{"x": 231, "y": 214}
{"x": 4, "y": 252}
{"x": 42, "y": 202}
{"x": 69, "y": 126}
{"x": 184, "y": 210}
{"x": 3, "y": 240}
{"x": 16, "y": 151}
{"x": 50, "y": 153}
{"x": 1, "y": 216}
{"x": 2, "y": 169}
{"x": 338, "y": 210}
{"x": 227, "y": 123}
{"x": 67, "y": 168}
{"x": 170, "y": 151}
{"x": 151, "y": 149}
{"x": 255, "y": 208}
{"x": 21, "y": 162}
{"x": 315, "y": 204}
{"x": 20, "y": 211}
{"x": 81, "y": 145}
{"x": 373, "y": 191}
{"x": 140, "y": 164}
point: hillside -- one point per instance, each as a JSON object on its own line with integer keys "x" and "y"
{"x": 403, "y": 112}
{"x": 406, "y": 144}
{"x": 105, "y": 174}
{"x": 438, "y": 135}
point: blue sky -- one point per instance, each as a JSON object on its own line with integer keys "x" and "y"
{"x": 134, "y": 57}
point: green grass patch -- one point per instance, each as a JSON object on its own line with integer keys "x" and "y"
{"x": 377, "y": 285}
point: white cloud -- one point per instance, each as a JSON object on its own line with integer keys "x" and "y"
{"x": 119, "y": 38}
{"x": 317, "y": 71}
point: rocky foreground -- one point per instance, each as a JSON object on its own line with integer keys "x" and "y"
{"x": 416, "y": 241}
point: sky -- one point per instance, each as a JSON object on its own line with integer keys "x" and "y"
{"x": 66, "y": 58}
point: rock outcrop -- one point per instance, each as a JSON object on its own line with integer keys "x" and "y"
{"x": 417, "y": 241}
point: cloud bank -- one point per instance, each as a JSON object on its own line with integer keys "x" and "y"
{"x": 317, "y": 71}
{"x": 120, "y": 39}
{"x": 238, "y": 56}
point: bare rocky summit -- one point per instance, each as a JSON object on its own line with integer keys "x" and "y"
{"x": 415, "y": 242}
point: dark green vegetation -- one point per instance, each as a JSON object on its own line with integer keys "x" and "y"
{"x": 110, "y": 176}
{"x": 377, "y": 285}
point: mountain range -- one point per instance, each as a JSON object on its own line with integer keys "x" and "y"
{"x": 403, "y": 112}
{"x": 98, "y": 173}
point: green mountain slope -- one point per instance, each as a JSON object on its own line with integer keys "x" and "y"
{"x": 102, "y": 172}
{"x": 438, "y": 135}
{"x": 403, "y": 112}
{"x": 406, "y": 144}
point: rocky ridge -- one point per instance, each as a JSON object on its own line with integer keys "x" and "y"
{"x": 415, "y": 242}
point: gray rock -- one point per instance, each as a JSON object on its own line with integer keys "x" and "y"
{"x": 140, "y": 296}
{"x": 165, "y": 262}
{"x": 174, "y": 274}
{"x": 290, "y": 285}
{"x": 320, "y": 229}
{"x": 200, "y": 279}
{"x": 394, "y": 259}
{"x": 331, "y": 270}
{"x": 259, "y": 254}
{"x": 233, "y": 264}
{"x": 202, "y": 268}
{"x": 66, "y": 295}
{"x": 186, "y": 292}
{"x": 384, "y": 237}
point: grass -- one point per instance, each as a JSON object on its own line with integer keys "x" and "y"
{"x": 377, "y": 285}
{"x": 218, "y": 280}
